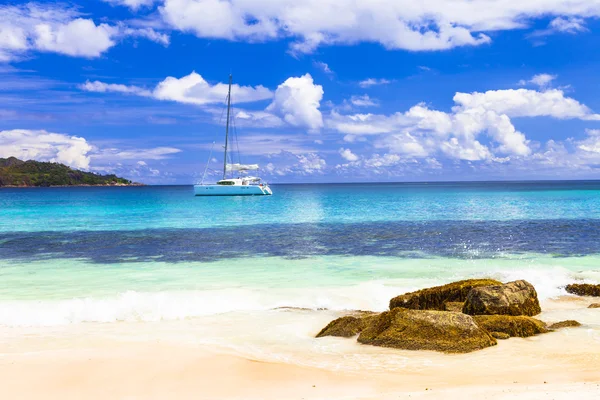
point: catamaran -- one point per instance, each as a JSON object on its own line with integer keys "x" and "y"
{"x": 233, "y": 186}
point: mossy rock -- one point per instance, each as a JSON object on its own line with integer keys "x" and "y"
{"x": 347, "y": 326}
{"x": 435, "y": 298}
{"x": 583, "y": 289}
{"x": 513, "y": 298}
{"x": 500, "y": 335}
{"x": 443, "y": 331}
{"x": 454, "y": 306}
{"x": 514, "y": 326}
{"x": 594, "y": 305}
{"x": 565, "y": 324}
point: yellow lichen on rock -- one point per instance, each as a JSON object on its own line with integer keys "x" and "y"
{"x": 443, "y": 331}
{"x": 514, "y": 326}
{"x": 513, "y": 298}
{"x": 435, "y": 298}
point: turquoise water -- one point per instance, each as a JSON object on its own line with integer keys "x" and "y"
{"x": 71, "y": 255}
{"x": 69, "y": 209}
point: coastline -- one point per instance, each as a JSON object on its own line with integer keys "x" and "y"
{"x": 69, "y": 186}
{"x": 169, "y": 359}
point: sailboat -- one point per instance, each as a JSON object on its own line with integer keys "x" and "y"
{"x": 233, "y": 186}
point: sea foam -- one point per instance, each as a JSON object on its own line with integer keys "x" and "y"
{"x": 175, "y": 305}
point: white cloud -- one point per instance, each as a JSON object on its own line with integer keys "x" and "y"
{"x": 394, "y": 24}
{"x": 147, "y": 33}
{"x": 591, "y": 143}
{"x": 323, "y": 67}
{"x": 541, "y": 80}
{"x": 41, "y": 145}
{"x": 348, "y": 155}
{"x": 373, "y": 82}
{"x": 194, "y": 89}
{"x": 190, "y": 89}
{"x": 77, "y": 152}
{"x": 525, "y": 103}
{"x": 421, "y": 132}
{"x": 568, "y": 25}
{"x": 80, "y": 37}
{"x": 101, "y": 87}
{"x": 133, "y": 4}
{"x": 60, "y": 29}
{"x": 297, "y": 101}
{"x": 108, "y": 155}
{"x": 363, "y": 101}
{"x": 286, "y": 163}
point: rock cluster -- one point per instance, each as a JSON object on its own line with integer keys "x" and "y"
{"x": 459, "y": 317}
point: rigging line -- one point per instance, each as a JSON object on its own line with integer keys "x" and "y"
{"x": 207, "y": 162}
{"x": 235, "y": 136}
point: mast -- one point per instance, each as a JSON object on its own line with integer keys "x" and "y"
{"x": 227, "y": 128}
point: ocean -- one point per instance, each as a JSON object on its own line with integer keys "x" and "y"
{"x": 284, "y": 265}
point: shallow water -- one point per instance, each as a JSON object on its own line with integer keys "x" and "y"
{"x": 158, "y": 255}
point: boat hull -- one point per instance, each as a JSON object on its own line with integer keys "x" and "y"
{"x": 222, "y": 190}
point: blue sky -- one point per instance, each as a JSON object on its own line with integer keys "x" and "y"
{"x": 325, "y": 91}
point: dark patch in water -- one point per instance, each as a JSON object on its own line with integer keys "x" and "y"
{"x": 457, "y": 239}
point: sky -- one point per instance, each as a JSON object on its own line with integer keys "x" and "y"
{"x": 323, "y": 90}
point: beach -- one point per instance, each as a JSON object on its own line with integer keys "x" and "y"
{"x": 145, "y": 293}
{"x": 154, "y": 361}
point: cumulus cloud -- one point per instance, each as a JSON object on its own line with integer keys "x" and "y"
{"x": 190, "y": 89}
{"x": 286, "y": 163}
{"x": 592, "y": 143}
{"x": 394, "y": 24}
{"x": 525, "y": 103}
{"x": 421, "y": 132}
{"x": 60, "y": 29}
{"x": 80, "y": 37}
{"x": 348, "y": 155}
{"x": 194, "y": 89}
{"x": 297, "y": 101}
{"x": 45, "y": 146}
{"x": 77, "y": 152}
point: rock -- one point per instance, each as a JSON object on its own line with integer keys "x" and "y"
{"x": 444, "y": 331}
{"x": 434, "y": 298}
{"x": 347, "y": 326}
{"x": 564, "y": 324}
{"x": 513, "y": 298}
{"x": 583, "y": 289}
{"x": 500, "y": 335}
{"x": 518, "y": 326}
{"x": 454, "y": 306}
{"x": 594, "y": 305}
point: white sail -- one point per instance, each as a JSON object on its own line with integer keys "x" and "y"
{"x": 242, "y": 167}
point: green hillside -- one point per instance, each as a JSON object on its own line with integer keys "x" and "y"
{"x": 14, "y": 172}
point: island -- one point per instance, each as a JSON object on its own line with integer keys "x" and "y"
{"x": 19, "y": 173}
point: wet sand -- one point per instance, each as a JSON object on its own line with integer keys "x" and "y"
{"x": 158, "y": 361}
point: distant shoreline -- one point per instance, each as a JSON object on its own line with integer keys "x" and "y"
{"x": 63, "y": 186}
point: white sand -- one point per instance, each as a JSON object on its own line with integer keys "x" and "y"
{"x": 170, "y": 360}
